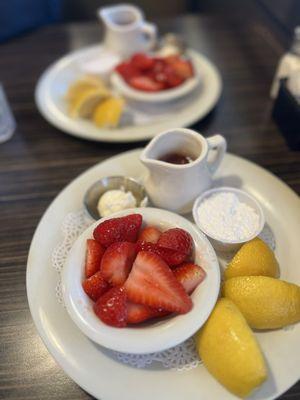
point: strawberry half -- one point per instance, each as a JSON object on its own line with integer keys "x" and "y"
{"x": 152, "y": 283}
{"x": 142, "y": 61}
{"x": 176, "y": 239}
{"x": 172, "y": 79}
{"x": 138, "y": 313}
{"x": 124, "y": 229}
{"x": 94, "y": 253}
{"x": 182, "y": 68}
{"x": 149, "y": 234}
{"x": 111, "y": 308}
{"x": 189, "y": 275}
{"x": 117, "y": 261}
{"x": 127, "y": 70}
{"x": 171, "y": 257}
{"x": 145, "y": 84}
{"x": 95, "y": 286}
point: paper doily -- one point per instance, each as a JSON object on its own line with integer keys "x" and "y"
{"x": 182, "y": 357}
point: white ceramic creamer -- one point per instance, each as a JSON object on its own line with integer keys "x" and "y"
{"x": 126, "y": 32}
{"x": 176, "y": 186}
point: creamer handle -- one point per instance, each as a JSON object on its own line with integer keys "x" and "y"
{"x": 151, "y": 32}
{"x": 219, "y": 145}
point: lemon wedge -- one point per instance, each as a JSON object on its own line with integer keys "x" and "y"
{"x": 85, "y": 102}
{"x": 82, "y": 84}
{"x": 266, "y": 303}
{"x": 108, "y": 113}
{"x": 229, "y": 350}
{"x": 253, "y": 258}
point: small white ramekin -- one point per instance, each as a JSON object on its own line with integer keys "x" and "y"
{"x": 223, "y": 244}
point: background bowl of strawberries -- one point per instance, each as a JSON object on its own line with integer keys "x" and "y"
{"x": 156, "y": 79}
{"x": 141, "y": 281}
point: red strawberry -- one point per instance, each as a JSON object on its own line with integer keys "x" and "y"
{"x": 176, "y": 239}
{"x": 152, "y": 283}
{"x": 142, "y": 61}
{"x": 127, "y": 70}
{"x": 172, "y": 79}
{"x": 166, "y": 75}
{"x": 149, "y": 234}
{"x": 145, "y": 84}
{"x": 170, "y": 60}
{"x": 111, "y": 308}
{"x": 159, "y": 65}
{"x": 171, "y": 257}
{"x": 117, "y": 262}
{"x": 94, "y": 253}
{"x": 189, "y": 275}
{"x": 138, "y": 313}
{"x": 182, "y": 68}
{"x": 95, "y": 286}
{"x": 124, "y": 229}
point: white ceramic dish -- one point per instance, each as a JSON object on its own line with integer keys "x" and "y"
{"x": 156, "y": 97}
{"x": 96, "y": 369}
{"x": 155, "y": 336}
{"x": 244, "y": 197}
{"x": 52, "y": 85}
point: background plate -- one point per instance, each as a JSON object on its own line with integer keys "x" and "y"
{"x": 52, "y": 86}
{"x": 91, "y": 366}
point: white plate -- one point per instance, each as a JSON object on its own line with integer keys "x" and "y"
{"x": 54, "y": 82}
{"x": 91, "y": 366}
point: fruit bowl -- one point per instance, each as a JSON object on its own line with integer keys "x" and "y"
{"x": 148, "y": 78}
{"x": 153, "y": 97}
{"x": 152, "y": 336}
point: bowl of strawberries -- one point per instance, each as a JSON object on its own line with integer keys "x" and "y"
{"x": 140, "y": 281}
{"x": 149, "y": 78}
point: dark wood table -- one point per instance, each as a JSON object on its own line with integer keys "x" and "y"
{"x": 40, "y": 160}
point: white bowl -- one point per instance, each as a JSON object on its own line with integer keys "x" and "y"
{"x": 154, "y": 97}
{"x": 154, "y": 336}
{"x": 223, "y": 244}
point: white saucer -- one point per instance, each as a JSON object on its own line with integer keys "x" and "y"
{"x": 94, "y": 368}
{"x": 150, "y": 120}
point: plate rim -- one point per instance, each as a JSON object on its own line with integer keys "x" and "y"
{"x": 61, "y": 361}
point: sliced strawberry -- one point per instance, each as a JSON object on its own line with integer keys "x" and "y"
{"x": 138, "y": 313}
{"x": 172, "y": 79}
{"x": 159, "y": 65}
{"x": 95, "y": 286}
{"x": 111, "y": 308}
{"x": 152, "y": 283}
{"x": 94, "y": 253}
{"x": 171, "y": 257}
{"x": 117, "y": 262}
{"x": 170, "y": 60}
{"x": 127, "y": 70}
{"x": 149, "y": 234}
{"x": 166, "y": 75}
{"x": 182, "y": 68}
{"x": 124, "y": 229}
{"x": 176, "y": 239}
{"x": 145, "y": 84}
{"x": 142, "y": 61}
{"x": 189, "y": 275}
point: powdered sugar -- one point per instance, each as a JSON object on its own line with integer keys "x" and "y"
{"x": 225, "y": 217}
